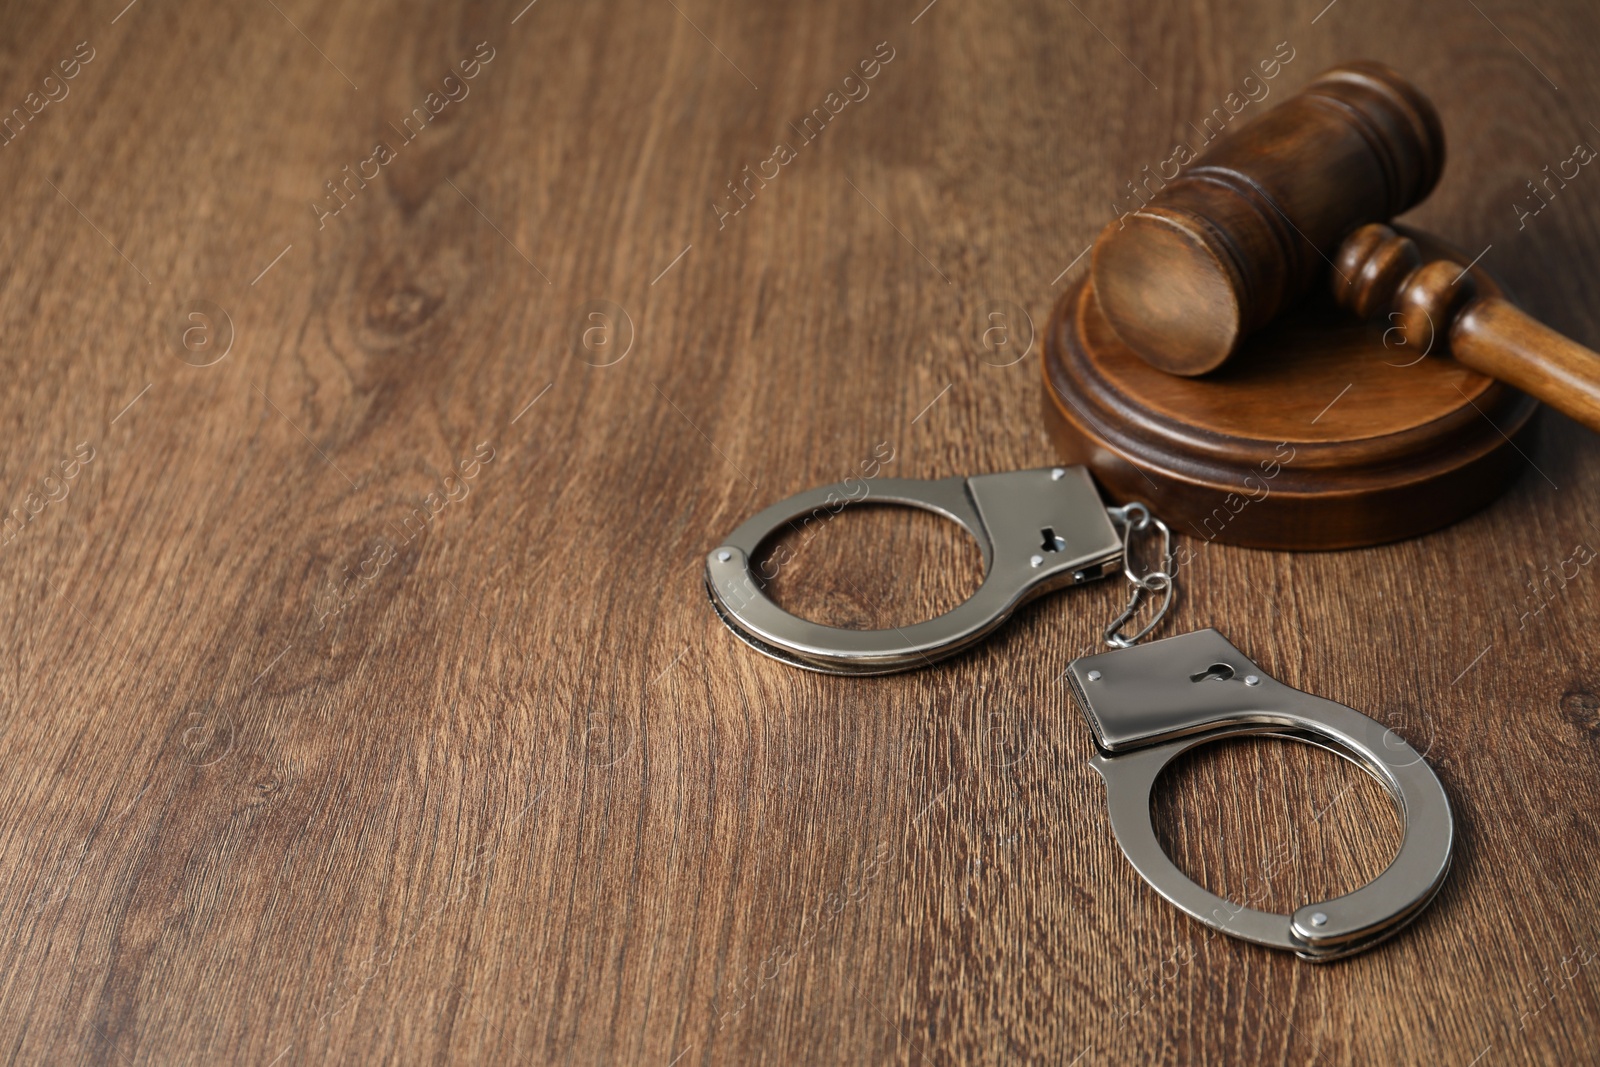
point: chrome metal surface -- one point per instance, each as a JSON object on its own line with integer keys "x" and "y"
{"x": 1136, "y": 518}
{"x": 1151, "y": 703}
{"x": 1052, "y": 515}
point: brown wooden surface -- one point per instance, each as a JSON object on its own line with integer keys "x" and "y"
{"x": 1437, "y": 305}
{"x": 520, "y": 798}
{"x": 1221, "y": 243}
{"x": 1263, "y": 452}
{"x": 1495, "y": 337}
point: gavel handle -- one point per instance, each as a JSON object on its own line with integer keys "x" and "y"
{"x": 1491, "y": 336}
{"x": 1381, "y": 272}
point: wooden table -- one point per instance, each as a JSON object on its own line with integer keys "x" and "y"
{"x": 361, "y": 698}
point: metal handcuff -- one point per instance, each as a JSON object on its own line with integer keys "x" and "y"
{"x": 1041, "y": 530}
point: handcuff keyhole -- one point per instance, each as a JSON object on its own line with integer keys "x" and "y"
{"x": 1219, "y": 671}
{"x": 1052, "y": 543}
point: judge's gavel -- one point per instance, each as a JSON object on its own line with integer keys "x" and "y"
{"x": 1227, "y": 244}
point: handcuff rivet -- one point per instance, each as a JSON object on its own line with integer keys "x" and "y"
{"x": 724, "y": 555}
{"x": 1319, "y": 919}
{"x": 1057, "y": 474}
{"x": 1037, "y": 561}
{"x": 1094, "y": 676}
{"x": 1251, "y": 679}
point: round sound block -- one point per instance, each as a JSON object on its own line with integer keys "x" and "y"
{"x": 1322, "y": 432}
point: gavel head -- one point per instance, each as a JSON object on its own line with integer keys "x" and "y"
{"x": 1244, "y": 231}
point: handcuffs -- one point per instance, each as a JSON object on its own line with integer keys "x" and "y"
{"x": 1041, "y": 530}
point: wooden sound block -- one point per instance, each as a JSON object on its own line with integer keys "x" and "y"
{"x": 1316, "y": 435}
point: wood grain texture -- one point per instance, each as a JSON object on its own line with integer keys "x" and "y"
{"x": 509, "y": 793}
{"x": 1440, "y": 306}
{"x": 1232, "y": 228}
{"x": 1323, "y": 432}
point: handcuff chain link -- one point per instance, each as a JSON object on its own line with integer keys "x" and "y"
{"x": 1136, "y": 518}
